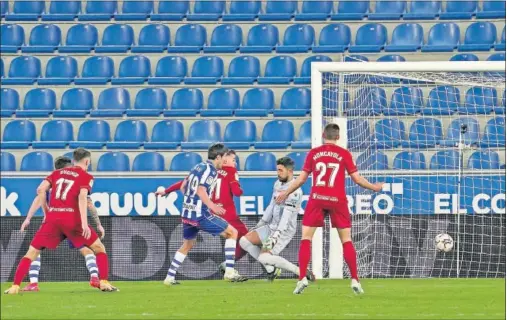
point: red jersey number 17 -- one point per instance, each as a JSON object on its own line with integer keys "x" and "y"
{"x": 63, "y": 187}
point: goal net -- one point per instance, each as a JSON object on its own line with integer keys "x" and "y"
{"x": 434, "y": 132}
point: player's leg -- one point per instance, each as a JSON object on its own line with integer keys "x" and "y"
{"x": 242, "y": 231}
{"x": 91, "y": 265}
{"x": 252, "y": 242}
{"x": 33, "y": 274}
{"x": 189, "y": 235}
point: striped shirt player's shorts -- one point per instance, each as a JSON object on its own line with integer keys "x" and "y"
{"x": 209, "y": 223}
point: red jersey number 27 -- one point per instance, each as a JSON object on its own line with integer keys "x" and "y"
{"x": 62, "y": 188}
{"x": 322, "y": 168}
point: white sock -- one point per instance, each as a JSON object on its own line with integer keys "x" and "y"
{"x": 230, "y": 254}
{"x": 175, "y": 264}
{"x": 279, "y": 262}
{"x": 254, "y": 251}
{"x": 91, "y": 265}
{"x": 34, "y": 270}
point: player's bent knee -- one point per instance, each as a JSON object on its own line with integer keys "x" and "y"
{"x": 98, "y": 247}
{"x": 86, "y": 251}
{"x": 230, "y": 233}
{"x": 265, "y": 258}
{"x": 244, "y": 242}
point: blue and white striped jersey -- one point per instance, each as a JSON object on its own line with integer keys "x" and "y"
{"x": 204, "y": 174}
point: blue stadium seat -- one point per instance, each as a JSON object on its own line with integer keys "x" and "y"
{"x": 2, "y": 74}
{"x": 149, "y": 161}
{"x": 405, "y": 101}
{"x": 279, "y": 10}
{"x": 226, "y": 38}
{"x": 296, "y": 102}
{"x": 135, "y": 10}
{"x": 442, "y": 100}
{"x": 501, "y": 108}
{"x": 501, "y": 45}
{"x": 371, "y": 37}
{"x": 37, "y": 161}
{"x": 298, "y": 38}
{"x": 81, "y": 38}
{"x": 93, "y": 134}
{"x": 75, "y": 103}
{"x": 186, "y": 102}
{"x": 389, "y": 133}
{"x": 262, "y": 38}
{"x": 279, "y": 70}
{"x": 470, "y": 137}
{"x": 153, "y": 38}
{"x": 351, "y": 10}
{"x": 479, "y": 100}
{"x": 388, "y": 10}
{"x": 484, "y": 160}
{"x": 130, "y": 134}
{"x": 260, "y": 161}
{"x": 7, "y": 161}
{"x": 456, "y": 10}
{"x": 62, "y": 11}
{"x": 150, "y": 102}
{"x": 443, "y": 37}
{"x": 423, "y": 10}
{"x": 330, "y": 100}
{"x": 206, "y": 70}
{"x": 445, "y": 160}
{"x": 18, "y": 134}
{"x": 44, "y": 38}
{"x": 494, "y": 133}
{"x": 201, "y": 134}
{"x": 170, "y": 70}
{"x": 102, "y": 10}
{"x": 358, "y": 134}
{"x": 190, "y": 38}
{"x": 492, "y": 10}
{"x": 409, "y": 160}
{"x": 171, "y": 11}
{"x": 464, "y": 57}
{"x": 391, "y": 58}
{"x": 38, "y": 103}
{"x": 497, "y": 57}
{"x": 9, "y": 102}
{"x": 116, "y": 38}
{"x": 133, "y": 70}
{"x": 207, "y": 10}
{"x": 221, "y": 103}
{"x": 304, "y": 136}
{"x": 333, "y": 38}
{"x": 424, "y": 133}
{"x": 113, "y": 102}
{"x": 305, "y": 75}
{"x": 12, "y": 38}
{"x": 369, "y": 160}
{"x": 240, "y": 134}
{"x": 4, "y": 8}
{"x": 113, "y": 161}
{"x": 299, "y": 159}
{"x": 96, "y": 70}
{"x": 277, "y": 134}
{"x": 315, "y": 10}
{"x": 166, "y": 134}
{"x": 185, "y": 161}
{"x": 55, "y": 134}
{"x": 60, "y": 70}
{"x": 369, "y": 101}
{"x": 480, "y": 36}
{"x": 257, "y": 102}
{"x": 240, "y": 10}
{"x": 407, "y": 37}
{"x": 26, "y": 11}
{"x": 243, "y": 70}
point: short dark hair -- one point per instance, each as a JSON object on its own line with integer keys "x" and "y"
{"x": 331, "y": 131}
{"x": 217, "y": 149}
{"x": 231, "y": 152}
{"x": 287, "y": 162}
{"x": 80, "y": 154}
{"x": 62, "y": 162}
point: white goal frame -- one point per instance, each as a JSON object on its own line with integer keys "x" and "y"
{"x": 317, "y": 70}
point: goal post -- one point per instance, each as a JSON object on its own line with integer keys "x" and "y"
{"x": 434, "y": 132}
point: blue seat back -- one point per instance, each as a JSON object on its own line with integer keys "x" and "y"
{"x": 145, "y": 6}
{"x": 281, "y": 66}
{"x": 353, "y": 6}
{"x": 369, "y": 160}
{"x": 426, "y": 130}
{"x": 258, "y": 98}
{"x": 299, "y": 159}
{"x": 154, "y": 35}
{"x": 94, "y": 130}
{"x": 135, "y": 66}
{"x": 187, "y": 99}
{"x": 131, "y": 130}
{"x": 409, "y": 160}
{"x": 172, "y": 66}
{"x": 82, "y": 34}
{"x": 25, "y": 67}
{"x": 480, "y": 32}
{"x": 113, "y": 161}
{"x": 391, "y": 58}
{"x": 480, "y": 97}
{"x": 28, "y": 7}
{"x": 227, "y": 35}
{"x": 114, "y": 98}
{"x": 190, "y": 35}
{"x": 65, "y": 7}
{"x": 495, "y": 130}
{"x": 296, "y": 98}
{"x": 263, "y": 35}
{"x": 444, "y": 97}
{"x": 299, "y": 34}
{"x": 245, "y": 7}
{"x": 410, "y": 98}
{"x": 149, "y": 161}
{"x": 205, "y": 131}
{"x": 358, "y": 131}
{"x": 185, "y": 161}
{"x": 335, "y": 34}
{"x": 497, "y": 6}
{"x": 45, "y": 35}
{"x": 240, "y": 131}
{"x": 371, "y": 34}
{"x": 446, "y": 33}
{"x": 12, "y": 35}
{"x": 355, "y": 58}
{"x": 389, "y": 6}
{"x": 497, "y": 57}
{"x": 390, "y": 130}
{"x": 368, "y": 101}
{"x": 7, "y": 161}
{"x": 484, "y": 160}
{"x": 37, "y": 161}
{"x": 502, "y": 38}
{"x": 77, "y": 99}
{"x": 9, "y": 99}
{"x": 118, "y": 35}
{"x": 98, "y": 66}
{"x": 260, "y": 161}
{"x": 245, "y": 66}
{"x": 40, "y": 99}
{"x": 408, "y": 34}
{"x": 151, "y": 98}
{"x": 305, "y": 131}
{"x": 281, "y": 6}
{"x": 224, "y": 98}
{"x": 102, "y": 7}
{"x": 208, "y": 66}
{"x": 317, "y": 6}
{"x": 4, "y": 7}
{"x": 425, "y": 6}
{"x": 330, "y": 100}
{"x": 461, "y": 6}
{"x": 175, "y": 7}
{"x": 306, "y": 68}
{"x": 445, "y": 160}
{"x": 168, "y": 131}
{"x": 464, "y": 57}
{"x": 208, "y": 6}
{"x": 470, "y": 136}
{"x": 57, "y": 130}
{"x": 278, "y": 130}
{"x": 19, "y": 130}
{"x": 61, "y": 67}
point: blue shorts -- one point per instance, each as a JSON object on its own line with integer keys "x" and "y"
{"x": 211, "y": 224}
{"x": 71, "y": 245}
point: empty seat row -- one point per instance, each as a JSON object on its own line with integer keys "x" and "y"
{"x": 262, "y": 38}
{"x": 244, "y": 10}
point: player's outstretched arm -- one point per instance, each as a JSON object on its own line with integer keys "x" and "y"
{"x": 36, "y": 204}
{"x": 174, "y": 187}
{"x": 95, "y": 217}
{"x": 203, "y": 195}
{"x": 296, "y": 184}
{"x": 361, "y": 181}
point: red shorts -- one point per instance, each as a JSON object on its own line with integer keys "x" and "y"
{"x": 56, "y": 229}
{"x": 236, "y": 222}
{"x": 316, "y": 211}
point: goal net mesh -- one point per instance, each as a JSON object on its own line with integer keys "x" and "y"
{"x": 405, "y": 128}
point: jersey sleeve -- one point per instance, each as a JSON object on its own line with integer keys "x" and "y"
{"x": 234, "y": 185}
{"x": 174, "y": 187}
{"x": 308, "y": 165}
{"x": 50, "y": 178}
{"x": 349, "y": 164}
{"x": 86, "y": 182}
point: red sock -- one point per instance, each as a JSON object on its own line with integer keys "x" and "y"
{"x": 305, "y": 250}
{"x": 349, "y": 254}
{"x": 102, "y": 265}
{"x": 239, "y": 252}
{"x": 22, "y": 270}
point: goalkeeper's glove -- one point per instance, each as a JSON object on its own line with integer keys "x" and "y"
{"x": 271, "y": 241}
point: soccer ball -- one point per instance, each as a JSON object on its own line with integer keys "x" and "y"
{"x": 444, "y": 242}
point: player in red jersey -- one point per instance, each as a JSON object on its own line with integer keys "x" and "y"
{"x": 328, "y": 164}
{"x": 66, "y": 218}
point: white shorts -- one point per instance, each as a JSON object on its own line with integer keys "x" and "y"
{"x": 265, "y": 232}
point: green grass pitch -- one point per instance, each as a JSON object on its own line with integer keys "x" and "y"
{"x": 325, "y": 299}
